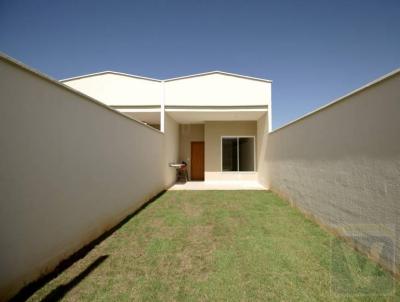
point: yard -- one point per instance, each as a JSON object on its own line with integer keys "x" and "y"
{"x": 221, "y": 245}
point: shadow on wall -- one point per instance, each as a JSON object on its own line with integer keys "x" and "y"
{"x": 60, "y": 291}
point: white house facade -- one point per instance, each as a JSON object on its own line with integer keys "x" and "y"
{"x": 216, "y": 119}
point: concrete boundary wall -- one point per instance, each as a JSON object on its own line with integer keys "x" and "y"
{"x": 341, "y": 165}
{"x": 70, "y": 169}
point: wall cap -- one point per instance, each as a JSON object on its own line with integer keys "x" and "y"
{"x": 37, "y": 73}
{"x": 340, "y": 99}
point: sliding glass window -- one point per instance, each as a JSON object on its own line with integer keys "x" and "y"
{"x": 238, "y": 154}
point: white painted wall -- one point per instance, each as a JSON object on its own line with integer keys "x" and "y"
{"x": 217, "y": 90}
{"x": 341, "y": 165}
{"x": 213, "y": 89}
{"x": 115, "y": 89}
{"x": 171, "y": 149}
{"x": 70, "y": 168}
{"x": 262, "y": 139}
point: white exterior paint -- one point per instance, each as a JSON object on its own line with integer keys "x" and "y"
{"x": 116, "y": 89}
{"x": 148, "y": 117}
{"x": 217, "y": 90}
{"x": 207, "y": 89}
{"x": 162, "y": 108}
{"x": 196, "y": 116}
{"x": 219, "y": 72}
{"x": 211, "y": 96}
{"x": 195, "y": 99}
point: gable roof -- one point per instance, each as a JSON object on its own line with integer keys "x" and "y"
{"x": 109, "y": 72}
{"x": 166, "y": 80}
{"x": 218, "y": 72}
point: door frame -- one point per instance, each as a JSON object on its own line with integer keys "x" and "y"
{"x": 191, "y": 160}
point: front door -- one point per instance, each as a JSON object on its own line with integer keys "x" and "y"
{"x": 197, "y": 161}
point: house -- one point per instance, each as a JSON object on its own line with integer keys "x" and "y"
{"x": 216, "y": 119}
{"x": 72, "y": 167}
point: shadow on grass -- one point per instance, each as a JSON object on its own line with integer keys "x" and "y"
{"x": 28, "y": 290}
{"x": 60, "y": 291}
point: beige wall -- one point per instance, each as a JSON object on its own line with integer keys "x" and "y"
{"x": 213, "y": 131}
{"x": 262, "y": 131}
{"x": 341, "y": 164}
{"x": 171, "y": 149}
{"x": 70, "y": 168}
{"x": 189, "y": 133}
{"x": 116, "y": 89}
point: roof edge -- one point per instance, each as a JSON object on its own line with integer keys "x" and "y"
{"x": 166, "y": 80}
{"x": 218, "y": 72}
{"x": 110, "y": 72}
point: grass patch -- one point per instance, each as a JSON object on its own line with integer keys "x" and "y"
{"x": 222, "y": 245}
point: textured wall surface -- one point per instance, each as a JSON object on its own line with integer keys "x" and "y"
{"x": 70, "y": 168}
{"x": 341, "y": 164}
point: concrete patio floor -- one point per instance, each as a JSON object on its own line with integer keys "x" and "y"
{"x": 218, "y": 185}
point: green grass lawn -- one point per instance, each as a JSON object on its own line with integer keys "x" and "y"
{"x": 221, "y": 246}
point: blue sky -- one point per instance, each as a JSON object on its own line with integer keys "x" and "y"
{"x": 314, "y": 51}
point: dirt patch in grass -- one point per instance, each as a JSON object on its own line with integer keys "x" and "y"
{"x": 200, "y": 234}
{"x": 192, "y": 210}
{"x": 197, "y": 255}
{"x": 159, "y": 229}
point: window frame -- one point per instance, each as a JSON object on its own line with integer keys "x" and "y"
{"x": 238, "y": 153}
